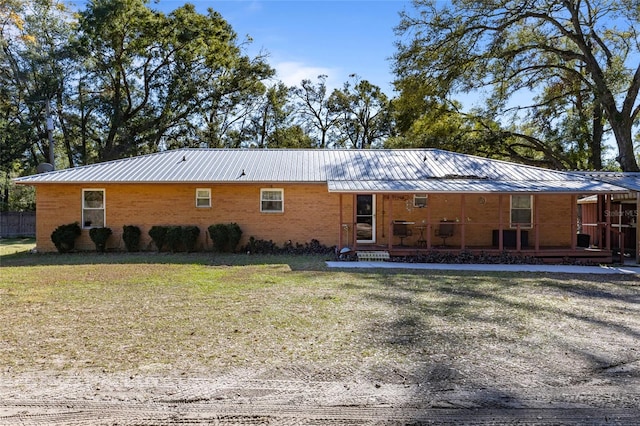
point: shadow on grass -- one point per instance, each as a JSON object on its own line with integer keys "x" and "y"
{"x": 483, "y": 341}
{"x": 295, "y": 262}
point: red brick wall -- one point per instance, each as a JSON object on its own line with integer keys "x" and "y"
{"x": 310, "y": 212}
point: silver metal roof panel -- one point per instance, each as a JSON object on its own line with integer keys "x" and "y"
{"x": 429, "y": 170}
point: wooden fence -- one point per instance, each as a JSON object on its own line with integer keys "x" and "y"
{"x": 17, "y": 224}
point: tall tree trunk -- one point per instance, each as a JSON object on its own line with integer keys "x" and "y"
{"x": 622, "y": 131}
{"x": 595, "y": 159}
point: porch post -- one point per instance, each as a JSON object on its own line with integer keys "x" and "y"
{"x": 354, "y": 221}
{"x": 463, "y": 221}
{"x": 390, "y": 224}
{"x": 637, "y": 227}
{"x": 536, "y": 215}
{"x": 608, "y": 220}
{"x": 574, "y": 221}
{"x": 428, "y": 225}
{"x": 500, "y": 223}
{"x": 599, "y": 221}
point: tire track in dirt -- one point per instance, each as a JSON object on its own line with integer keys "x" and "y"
{"x": 95, "y": 413}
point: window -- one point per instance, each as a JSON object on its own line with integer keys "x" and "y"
{"x": 203, "y": 197}
{"x": 93, "y": 211}
{"x": 521, "y": 211}
{"x": 420, "y": 200}
{"x": 272, "y": 200}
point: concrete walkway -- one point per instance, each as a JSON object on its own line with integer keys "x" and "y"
{"x": 560, "y": 269}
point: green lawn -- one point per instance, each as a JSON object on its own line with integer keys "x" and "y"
{"x": 201, "y": 313}
{"x": 16, "y": 245}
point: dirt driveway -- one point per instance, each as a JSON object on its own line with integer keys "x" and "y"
{"x": 304, "y": 395}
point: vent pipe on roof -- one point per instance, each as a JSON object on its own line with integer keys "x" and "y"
{"x": 44, "y": 167}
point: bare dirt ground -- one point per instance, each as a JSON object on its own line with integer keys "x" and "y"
{"x": 305, "y": 395}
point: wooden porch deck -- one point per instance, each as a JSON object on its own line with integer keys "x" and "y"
{"x": 546, "y": 254}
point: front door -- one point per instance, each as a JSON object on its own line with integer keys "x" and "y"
{"x": 366, "y": 218}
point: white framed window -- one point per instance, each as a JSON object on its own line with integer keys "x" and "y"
{"x": 521, "y": 211}
{"x": 93, "y": 208}
{"x": 420, "y": 200}
{"x": 203, "y": 197}
{"x": 272, "y": 200}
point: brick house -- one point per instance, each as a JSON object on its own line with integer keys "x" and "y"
{"x": 400, "y": 201}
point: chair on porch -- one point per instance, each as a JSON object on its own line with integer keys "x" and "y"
{"x": 401, "y": 230}
{"x": 445, "y": 230}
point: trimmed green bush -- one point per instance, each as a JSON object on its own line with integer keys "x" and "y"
{"x": 99, "y": 236}
{"x": 189, "y": 237}
{"x": 174, "y": 237}
{"x": 235, "y": 233}
{"x": 131, "y": 236}
{"x": 64, "y": 237}
{"x": 219, "y": 235}
{"x": 158, "y": 234}
{"x": 225, "y": 237}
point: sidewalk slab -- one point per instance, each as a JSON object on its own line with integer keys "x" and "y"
{"x": 559, "y": 269}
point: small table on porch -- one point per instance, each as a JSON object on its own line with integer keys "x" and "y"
{"x": 421, "y": 241}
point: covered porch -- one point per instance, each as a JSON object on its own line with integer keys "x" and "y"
{"x": 539, "y": 225}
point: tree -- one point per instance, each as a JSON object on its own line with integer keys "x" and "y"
{"x": 34, "y": 71}
{"x": 511, "y": 47}
{"x": 154, "y": 75}
{"x": 315, "y": 111}
{"x": 365, "y": 114}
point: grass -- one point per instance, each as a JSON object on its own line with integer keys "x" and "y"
{"x": 15, "y": 246}
{"x": 198, "y": 313}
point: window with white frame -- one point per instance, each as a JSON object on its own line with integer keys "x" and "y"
{"x": 521, "y": 211}
{"x": 272, "y": 200}
{"x": 93, "y": 208}
{"x": 203, "y": 197}
{"x": 420, "y": 200}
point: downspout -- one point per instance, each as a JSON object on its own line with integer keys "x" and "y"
{"x": 340, "y": 245}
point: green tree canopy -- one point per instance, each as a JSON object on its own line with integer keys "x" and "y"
{"x": 364, "y": 113}
{"x": 159, "y": 76}
{"x": 577, "y": 59}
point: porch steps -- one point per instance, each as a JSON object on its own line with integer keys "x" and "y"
{"x": 373, "y": 256}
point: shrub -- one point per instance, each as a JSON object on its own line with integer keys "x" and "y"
{"x": 64, "y": 237}
{"x": 174, "y": 237}
{"x": 131, "y": 236}
{"x": 255, "y": 246}
{"x": 225, "y": 237}
{"x": 219, "y": 234}
{"x": 189, "y": 237}
{"x": 99, "y": 236}
{"x": 158, "y": 234}
{"x": 260, "y": 246}
{"x": 235, "y": 233}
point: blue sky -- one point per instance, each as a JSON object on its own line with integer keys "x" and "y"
{"x": 306, "y": 38}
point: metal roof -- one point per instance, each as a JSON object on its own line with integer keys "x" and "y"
{"x": 628, "y": 180}
{"x": 343, "y": 170}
